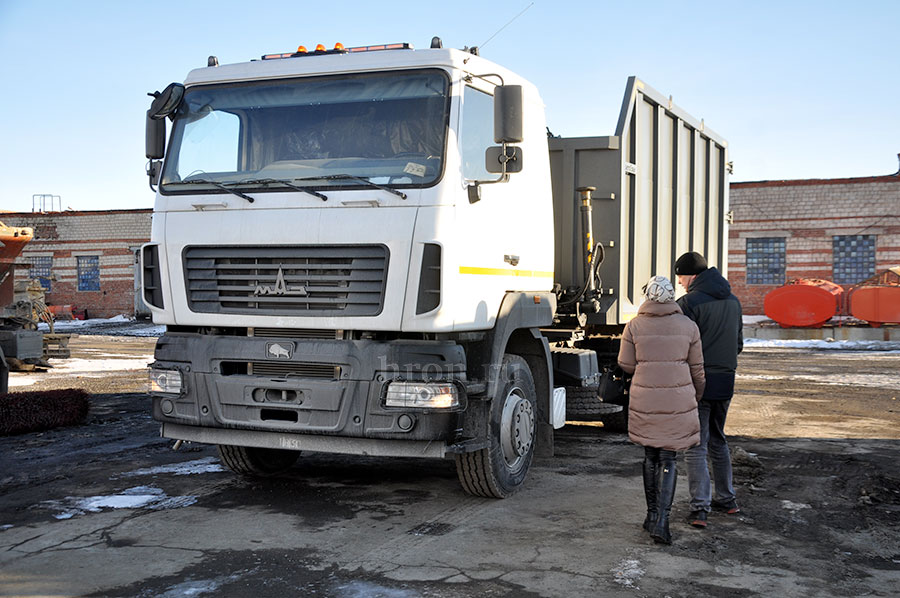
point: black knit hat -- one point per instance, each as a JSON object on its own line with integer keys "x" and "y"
{"x": 690, "y": 263}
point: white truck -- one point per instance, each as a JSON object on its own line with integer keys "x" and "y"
{"x": 383, "y": 251}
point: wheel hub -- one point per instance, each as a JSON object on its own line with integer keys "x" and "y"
{"x": 517, "y": 425}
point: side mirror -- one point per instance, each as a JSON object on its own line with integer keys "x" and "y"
{"x": 508, "y": 114}
{"x": 155, "y": 141}
{"x": 508, "y": 126}
{"x": 164, "y": 104}
{"x": 505, "y": 159}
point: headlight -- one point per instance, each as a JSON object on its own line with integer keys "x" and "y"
{"x": 166, "y": 381}
{"x": 422, "y": 395}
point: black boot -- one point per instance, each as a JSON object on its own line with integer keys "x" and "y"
{"x": 651, "y": 490}
{"x": 667, "y": 478}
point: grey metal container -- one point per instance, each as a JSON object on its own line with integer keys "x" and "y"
{"x": 21, "y": 344}
{"x": 662, "y": 189}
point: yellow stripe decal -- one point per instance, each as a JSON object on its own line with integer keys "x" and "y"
{"x": 504, "y": 272}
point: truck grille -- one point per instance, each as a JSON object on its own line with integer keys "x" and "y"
{"x": 295, "y": 333}
{"x": 287, "y": 280}
{"x": 299, "y": 370}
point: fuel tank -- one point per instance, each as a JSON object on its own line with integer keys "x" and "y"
{"x": 803, "y": 303}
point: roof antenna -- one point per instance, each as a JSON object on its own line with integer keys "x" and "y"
{"x": 505, "y": 26}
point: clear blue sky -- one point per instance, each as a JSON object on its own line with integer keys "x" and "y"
{"x": 800, "y": 89}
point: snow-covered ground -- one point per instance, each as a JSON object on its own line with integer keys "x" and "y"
{"x": 124, "y": 326}
{"x": 117, "y": 326}
{"x": 823, "y": 345}
{"x": 887, "y": 381}
{"x": 75, "y": 367}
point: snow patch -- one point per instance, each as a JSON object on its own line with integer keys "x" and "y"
{"x": 205, "y": 465}
{"x": 627, "y": 573}
{"x": 83, "y": 368}
{"x": 77, "y": 366}
{"x": 889, "y": 381}
{"x": 62, "y": 325}
{"x": 16, "y": 380}
{"x": 365, "y": 589}
{"x": 200, "y": 587}
{"x": 825, "y": 345}
{"x": 793, "y": 507}
{"x": 119, "y": 325}
{"x": 132, "y": 498}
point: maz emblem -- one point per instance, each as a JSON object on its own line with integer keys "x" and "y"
{"x": 279, "y": 350}
{"x": 280, "y": 288}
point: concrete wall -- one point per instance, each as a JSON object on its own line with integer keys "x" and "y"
{"x": 110, "y": 235}
{"x": 808, "y": 214}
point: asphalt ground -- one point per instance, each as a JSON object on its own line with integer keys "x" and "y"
{"x": 107, "y": 508}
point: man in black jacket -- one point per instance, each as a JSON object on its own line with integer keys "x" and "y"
{"x": 710, "y": 303}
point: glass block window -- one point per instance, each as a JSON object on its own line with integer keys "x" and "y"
{"x": 88, "y": 272}
{"x": 41, "y": 267}
{"x": 766, "y": 259}
{"x": 854, "y": 258}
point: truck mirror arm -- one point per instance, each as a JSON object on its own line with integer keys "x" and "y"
{"x": 474, "y": 188}
{"x": 154, "y": 169}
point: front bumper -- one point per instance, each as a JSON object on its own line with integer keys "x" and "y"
{"x": 333, "y": 402}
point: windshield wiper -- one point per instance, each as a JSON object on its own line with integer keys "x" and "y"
{"x": 353, "y": 177}
{"x": 217, "y": 185}
{"x": 288, "y": 184}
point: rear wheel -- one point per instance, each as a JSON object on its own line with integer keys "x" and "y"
{"x": 500, "y": 469}
{"x": 584, "y": 403}
{"x": 255, "y": 461}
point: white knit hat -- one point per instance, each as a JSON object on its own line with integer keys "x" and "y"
{"x": 660, "y": 290}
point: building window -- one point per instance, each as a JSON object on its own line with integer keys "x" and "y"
{"x": 40, "y": 269}
{"x": 766, "y": 260}
{"x": 88, "y": 272}
{"x": 854, "y": 258}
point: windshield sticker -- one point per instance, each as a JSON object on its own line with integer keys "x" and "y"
{"x": 415, "y": 169}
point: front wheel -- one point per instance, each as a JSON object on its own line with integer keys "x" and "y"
{"x": 254, "y": 461}
{"x": 499, "y": 470}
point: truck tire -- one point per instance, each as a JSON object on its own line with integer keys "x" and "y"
{"x": 254, "y": 461}
{"x": 584, "y": 402}
{"x": 499, "y": 470}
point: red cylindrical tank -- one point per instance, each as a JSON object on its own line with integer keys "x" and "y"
{"x": 876, "y": 304}
{"x": 803, "y": 303}
{"x": 61, "y": 312}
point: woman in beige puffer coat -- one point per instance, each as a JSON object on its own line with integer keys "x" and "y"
{"x": 661, "y": 348}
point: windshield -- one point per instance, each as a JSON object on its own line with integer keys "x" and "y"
{"x": 320, "y": 132}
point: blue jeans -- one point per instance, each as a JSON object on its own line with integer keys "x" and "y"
{"x": 714, "y": 445}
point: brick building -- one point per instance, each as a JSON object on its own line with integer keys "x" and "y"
{"x": 84, "y": 259}
{"x": 841, "y": 230}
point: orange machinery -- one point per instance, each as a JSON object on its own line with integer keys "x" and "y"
{"x": 12, "y": 240}
{"x": 22, "y": 345}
